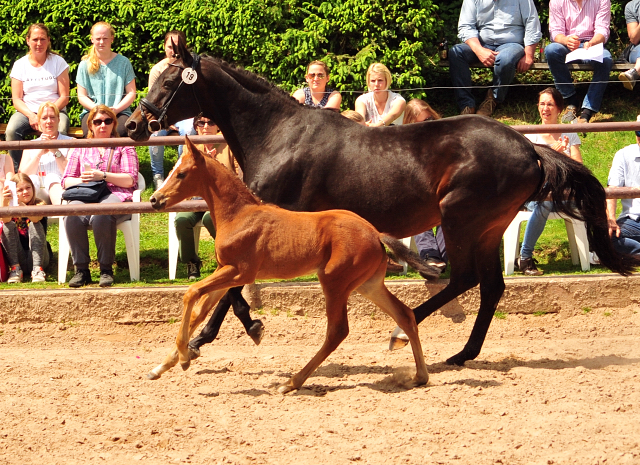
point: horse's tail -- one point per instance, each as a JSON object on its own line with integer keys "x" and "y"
{"x": 402, "y": 252}
{"x": 565, "y": 178}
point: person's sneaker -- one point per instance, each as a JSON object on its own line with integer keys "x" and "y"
{"x": 528, "y": 267}
{"x": 468, "y": 111}
{"x": 38, "y": 275}
{"x": 193, "y": 269}
{"x": 629, "y": 78}
{"x": 81, "y": 278}
{"x": 106, "y": 279}
{"x": 487, "y": 107}
{"x": 570, "y": 114}
{"x": 158, "y": 179}
{"x": 15, "y": 274}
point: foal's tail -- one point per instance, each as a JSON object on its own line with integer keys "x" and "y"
{"x": 402, "y": 252}
{"x": 565, "y": 178}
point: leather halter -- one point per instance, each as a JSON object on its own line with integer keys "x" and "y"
{"x": 160, "y": 114}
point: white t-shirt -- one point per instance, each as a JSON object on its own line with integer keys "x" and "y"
{"x": 39, "y": 84}
{"x": 372, "y": 111}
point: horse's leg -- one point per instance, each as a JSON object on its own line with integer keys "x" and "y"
{"x": 492, "y": 286}
{"x": 375, "y": 290}
{"x": 241, "y": 309}
{"x": 337, "y": 331}
{"x": 199, "y": 314}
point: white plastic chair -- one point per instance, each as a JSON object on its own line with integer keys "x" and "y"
{"x": 576, "y": 232}
{"x": 174, "y": 244}
{"x": 130, "y": 229}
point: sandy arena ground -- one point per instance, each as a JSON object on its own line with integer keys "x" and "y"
{"x": 546, "y": 389}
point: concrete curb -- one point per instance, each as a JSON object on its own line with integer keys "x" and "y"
{"x": 558, "y": 294}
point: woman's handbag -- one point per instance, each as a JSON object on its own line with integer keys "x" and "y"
{"x": 89, "y": 192}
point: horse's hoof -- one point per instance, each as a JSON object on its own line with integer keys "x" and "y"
{"x": 194, "y": 352}
{"x": 256, "y": 331}
{"x": 185, "y": 365}
{"x": 458, "y": 359}
{"x": 420, "y": 381}
{"x": 285, "y": 388}
{"x": 151, "y": 375}
{"x": 398, "y": 340}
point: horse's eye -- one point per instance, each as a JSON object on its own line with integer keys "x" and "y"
{"x": 168, "y": 84}
{"x": 181, "y": 175}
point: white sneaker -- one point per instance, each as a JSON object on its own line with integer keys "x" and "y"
{"x": 158, "y": 179}
{"x": 15, "y": 275}
{"x": 38, "y": 275}
{"x": 593, "y": 258}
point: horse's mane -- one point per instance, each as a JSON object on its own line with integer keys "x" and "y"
{"x": 247, "y": 79}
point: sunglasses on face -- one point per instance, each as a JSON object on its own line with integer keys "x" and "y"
{"x": 314, "y": 75}
{"x": 202, "y": 123}
{"x": 98, "y": 122}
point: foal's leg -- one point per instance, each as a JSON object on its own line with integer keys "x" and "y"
{"x": 337, "y": 331}
{"x": 375, "y": 290}
{"x": 199, "y": 314}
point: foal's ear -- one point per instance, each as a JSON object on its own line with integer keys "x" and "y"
{"x": 192, "y": 149}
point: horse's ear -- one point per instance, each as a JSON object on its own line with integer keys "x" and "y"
{"x": 191, "y": 148}
{"x": 181, "y": 51}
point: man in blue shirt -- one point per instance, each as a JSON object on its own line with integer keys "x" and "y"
{"x": 625, "y": 172}
{"x": 502, "y": 34}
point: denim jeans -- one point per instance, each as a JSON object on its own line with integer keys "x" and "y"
{"x": 156, "y": 154}
{"x": 629, "y": 240}
{"x": 431, "y": 246}
{"x": 504, "y": 69}
{"x": 18, "y": 128}
{"x": 635, "y": 54}
{"x": 535, "y": 226}
{"x": 185, "y": 128}
{"x": 556, "y": 54}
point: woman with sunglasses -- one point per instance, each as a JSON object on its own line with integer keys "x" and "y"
{"x": 105, "y": 77}
{"x": 550, "y": 105}
{"x": 318, "y": 94}
{"x": 45, "y": 166}
{"x": 38, "y": 77}
{"x": 380, "y": 106}
{"x": 431, "y": 247}
{"x": 186, "y": 221}
{"x": 118, "y": 166}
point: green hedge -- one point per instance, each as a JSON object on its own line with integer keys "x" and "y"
{"x": 273, "y": 38}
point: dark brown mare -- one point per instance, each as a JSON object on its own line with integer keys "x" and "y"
{"x": 469, "y": 173}
{"x": 262, "y": 241}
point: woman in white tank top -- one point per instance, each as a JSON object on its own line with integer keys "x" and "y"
{"x": 380, "y": 106}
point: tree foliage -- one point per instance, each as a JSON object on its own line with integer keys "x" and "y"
{"x": 276, "y": 39}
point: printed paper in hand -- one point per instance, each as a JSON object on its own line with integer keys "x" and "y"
{"x": 594, "y": 53}
{"x": 12, "y": 188}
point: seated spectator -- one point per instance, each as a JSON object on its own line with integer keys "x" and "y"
{"x": 24, "y": 239}
{"x": 573, "y": 25}
{"x": 431, "y": 247}
{"x": 353, "y": 116}
{"x": 501, "y": 35}
{"x": 40, "y": 76}
{"x": 45, "y": 166}
{"x": 317, "y": 94}
{"x": 186, "y": 221}
{"x": 380, "y": 106}
{"x": 625, "y": 172}
{"x": 632, "y": 17}
{"x": 550, "y": 105}
{"x": 119, "y": 168}
{"x": 156, "y": 152}
{"x": 105, "y": 78}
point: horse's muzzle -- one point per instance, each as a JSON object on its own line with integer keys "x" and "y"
{"x": 157, "y": 203}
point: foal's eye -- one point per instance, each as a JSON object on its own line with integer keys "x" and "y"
{"x": 181, "y": 175}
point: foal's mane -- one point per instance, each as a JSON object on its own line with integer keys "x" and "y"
{"x": 247, "y": 79}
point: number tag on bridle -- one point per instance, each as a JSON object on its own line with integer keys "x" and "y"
{"x": 189, "y": 75}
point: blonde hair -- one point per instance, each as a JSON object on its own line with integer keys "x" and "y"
{"x": 379, "y": 68}
{"x": 353, "y": 116}
{"x": 414, "y": 108}
{"x": 106, "y": 111}
{"x": 92, "y": 56}
{"x": 48, "y": 105}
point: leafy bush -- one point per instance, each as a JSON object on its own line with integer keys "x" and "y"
{"x": 276, "y": 39}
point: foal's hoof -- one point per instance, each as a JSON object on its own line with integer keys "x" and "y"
{"x": 152, "y": 376}
{"x": 185, "y": 365}
{"x": 398, "y": 340}
{"x": 286, "y": 387}
{"x": 256, "y": 331}
{"x": 194, "y": 352}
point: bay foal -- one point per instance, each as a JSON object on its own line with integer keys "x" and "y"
{"x": 255, "y": 240}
